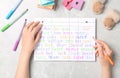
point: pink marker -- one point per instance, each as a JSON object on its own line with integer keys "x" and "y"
{"x": 18, "y": 40}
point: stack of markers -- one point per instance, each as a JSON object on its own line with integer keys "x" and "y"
{"x": 9, "y": 15}
{"x": 12, "y": 11}
{"x": 47, "y": 4}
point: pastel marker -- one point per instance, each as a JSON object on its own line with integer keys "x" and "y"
{"x": 11, "y": 23}
{"x": 14, "y": 9}
{"x": 110, "y": 60}
{"x": 18, "y": 40}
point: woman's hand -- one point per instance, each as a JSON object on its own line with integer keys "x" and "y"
{"x": 102, "y": 49}
{"x": 30, "y": 37}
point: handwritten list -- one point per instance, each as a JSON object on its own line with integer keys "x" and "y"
{"x": 66, "y": 39}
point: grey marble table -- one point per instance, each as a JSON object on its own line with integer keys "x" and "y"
{"x": 9, "y": 59}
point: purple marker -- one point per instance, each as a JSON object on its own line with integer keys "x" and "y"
{"x": 18, "y": 40}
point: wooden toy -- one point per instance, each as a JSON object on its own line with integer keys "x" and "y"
{"x": 98, "y": 6}
{"x": 77, "y": 4}
{"x": 67, "y": 4}
{"x": 50, "y": 7}
{"x": 112, "y": 18}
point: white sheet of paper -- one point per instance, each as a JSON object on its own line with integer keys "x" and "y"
{"x": 66, "y": 39}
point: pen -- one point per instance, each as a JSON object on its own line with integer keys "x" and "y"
{"x": 14, "y": 9}
{"x": 11, "y": 23}
{"x": 18, "y": 40}
{"x": 110, "y": 60}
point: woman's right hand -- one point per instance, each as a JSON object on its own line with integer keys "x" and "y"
{"x": 102, "y": 49}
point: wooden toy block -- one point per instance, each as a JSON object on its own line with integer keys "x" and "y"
{"x": 67, "y": 4}
{"x": 77, "y": 4}
{"x": 51, "y": 7}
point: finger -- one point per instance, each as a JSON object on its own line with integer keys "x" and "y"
{"x": 105, "y": 53}
{"x": 102, "y": 43}
{"x": 103, "y": 48}
{"x": 38, "y": 36}
{"x": 108, "y": 53}
{"x": 96, "y": 41}
{"x": 106, "y": 47}
{"x": 96, "y": 53}
{"x": 28, "y": 25}
{"x": 33, "y": 25}
{"x": 37, "y": 29}
{"x": 95, "y": 46}
{"x": 98, "y": 44}
{"x": 100, "y": 50}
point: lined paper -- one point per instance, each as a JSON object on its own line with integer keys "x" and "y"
{"x": 66, "y": 39}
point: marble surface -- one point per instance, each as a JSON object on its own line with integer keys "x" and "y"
{"x": 9, "y": 59}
